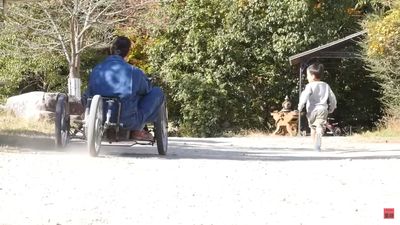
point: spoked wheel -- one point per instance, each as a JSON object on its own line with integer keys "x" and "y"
{"x": 62, "y": 124}
{"x": 347, "y": 130}
{"x": 95, "y": 126}
{"x": 318, "y": 137}
{"x": 161, "y": 130}
{"x": 337, "y": 131}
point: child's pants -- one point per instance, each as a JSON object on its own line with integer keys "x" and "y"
{"x": 317, "y": 118}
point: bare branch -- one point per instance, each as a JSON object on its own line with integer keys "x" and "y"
{"x": 72, "y": 26}
{"x": 110, "y": 22}
{"x": 67, "y": 9}
{"x": 102, "y": 12}
{"x": 87, "y": 46}
{"x": 96, "y": 5}
{"x": 59, "y": 36}
{"x": 86, "y": 25}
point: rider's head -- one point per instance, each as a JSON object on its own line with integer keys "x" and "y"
{"x": 121, "y": 46}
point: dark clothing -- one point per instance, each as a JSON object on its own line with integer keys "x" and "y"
{"x": 116, "y": 78}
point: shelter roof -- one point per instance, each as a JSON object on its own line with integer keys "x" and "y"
{"x": 330, "y": 50}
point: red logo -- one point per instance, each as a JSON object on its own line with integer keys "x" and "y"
{"x": 388, "y": 213}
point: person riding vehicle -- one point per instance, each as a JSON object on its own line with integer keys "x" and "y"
{"x": 114, "y": 77}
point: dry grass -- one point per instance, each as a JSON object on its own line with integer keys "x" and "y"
{"x": 11, "y": 125}
{"x": 388, "y": 132}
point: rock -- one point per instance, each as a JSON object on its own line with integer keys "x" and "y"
{"x": 38, "y": 105}
{"x": 28, "y": 105}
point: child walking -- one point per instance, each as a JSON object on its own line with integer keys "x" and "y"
{"x": 320, "y": 101}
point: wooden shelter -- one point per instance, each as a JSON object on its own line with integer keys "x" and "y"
{"x": 334, "y": 49}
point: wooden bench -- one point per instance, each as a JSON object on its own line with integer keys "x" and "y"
{"x": 286, "y": 122}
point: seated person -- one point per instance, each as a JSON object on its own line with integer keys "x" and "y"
{"x": 115, "y": 77}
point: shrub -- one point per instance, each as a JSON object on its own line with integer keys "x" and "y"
{"x": 225, "y": 63}
{"x": 382, "y": 53}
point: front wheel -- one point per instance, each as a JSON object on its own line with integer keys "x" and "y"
{"x": 161, "y": 130}
{"x": 95, "y": 126}
{"x": 62, "y": 124}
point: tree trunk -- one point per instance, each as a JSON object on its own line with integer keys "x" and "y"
{"x": 74, "y": 81}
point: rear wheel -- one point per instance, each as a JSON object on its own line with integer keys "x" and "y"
{"x": 95, "y": 126}
{"x": 62, "y": 124}
{"x": 337, "y": 131}
{"x": 347, "y": 130}
{"x": 161, "y": 130}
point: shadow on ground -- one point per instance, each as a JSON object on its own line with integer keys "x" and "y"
{"x": 209, "y": 149}
{"x": 31, "y": 142}
{"x": 220, "y": 149}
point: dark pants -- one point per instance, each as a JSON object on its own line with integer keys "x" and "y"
{"x": 149, "y": 107}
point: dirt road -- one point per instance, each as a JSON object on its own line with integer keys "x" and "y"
{"x": 223, "y": 181}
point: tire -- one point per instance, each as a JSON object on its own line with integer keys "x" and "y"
{"x": 95, "y": 126}
{"x": 337, "y": 131}
{"x": 86, "y": 121}
{"x": 347, "y": 131}
{"x": 161, "y": 130}
{"x": 62, "y": 124}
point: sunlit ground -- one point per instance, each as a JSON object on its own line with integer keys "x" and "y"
{"x": 238, "y": 180}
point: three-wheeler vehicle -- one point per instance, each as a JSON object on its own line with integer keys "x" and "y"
{"x": 101, "y": 122}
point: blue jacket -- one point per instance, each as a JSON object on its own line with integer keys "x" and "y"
{"x": 115, "y": 77}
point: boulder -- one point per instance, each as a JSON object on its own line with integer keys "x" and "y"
{"x": 39, "y": 105}
{"x": 32, "y": 105}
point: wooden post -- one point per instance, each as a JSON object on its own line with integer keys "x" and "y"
{"x": 300, "y": 84}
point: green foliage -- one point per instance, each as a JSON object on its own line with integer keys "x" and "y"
{"x": 22, "y": 72}
{"x": 31, "y": 74}
{"x": 373, "y": 6}
{"x": 382, "y": 52}
{"x": 357, "y": 93}
{"x": 89, "y": 59}
{"x": 140, "y": 40}
{"x": 226, "y": 62}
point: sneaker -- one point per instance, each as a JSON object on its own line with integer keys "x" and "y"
{"x": 141, "y": 135}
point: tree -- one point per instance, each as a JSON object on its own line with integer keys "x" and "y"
{"x": 69, "y": 27}
{"x": 226, "y": 62}
{"x": 382, "y": 53}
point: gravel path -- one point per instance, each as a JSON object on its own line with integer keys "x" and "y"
{"x": 222, "y": 181}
